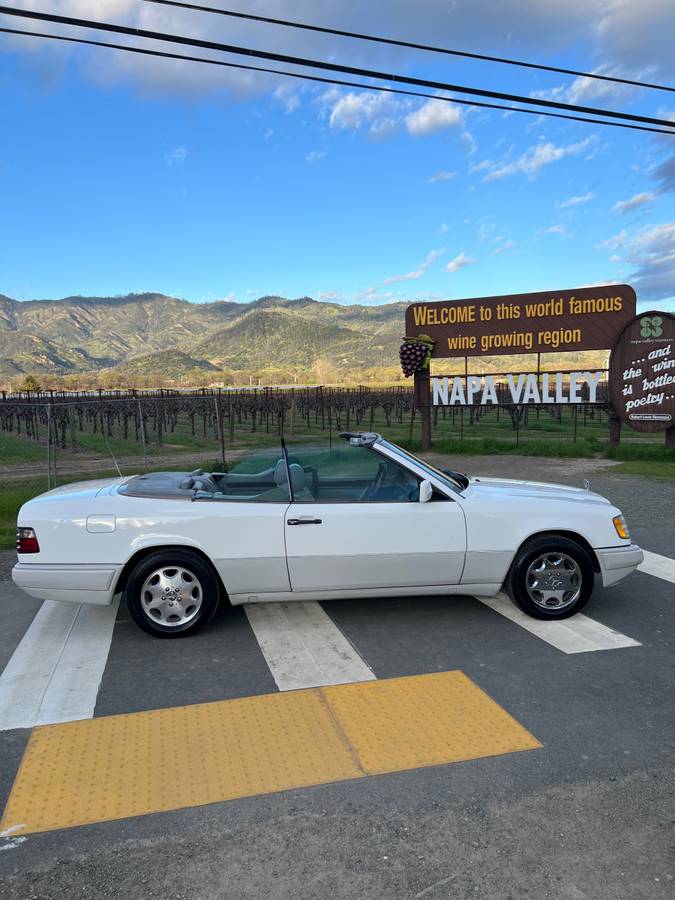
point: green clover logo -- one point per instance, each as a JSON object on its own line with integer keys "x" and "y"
{"x": 650, "y": 326}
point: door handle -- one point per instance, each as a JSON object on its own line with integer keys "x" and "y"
{"x": 304, "y": 520}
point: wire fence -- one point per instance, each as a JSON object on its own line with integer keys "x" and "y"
{"x": 50, "y": 440}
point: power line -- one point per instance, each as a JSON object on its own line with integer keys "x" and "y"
{"x": 379, "y": 39}
{"x": 145, "y": 51}
{"x": 325, "y": 66}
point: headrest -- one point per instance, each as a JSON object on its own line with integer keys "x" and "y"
{"x": 201, "y": 482}
{"x": 298, "y": 478}
{"x": 280, "y": 476}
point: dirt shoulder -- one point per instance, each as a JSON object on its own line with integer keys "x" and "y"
{"x": 535, "y": 468}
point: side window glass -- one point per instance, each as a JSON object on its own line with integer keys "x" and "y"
{"x": 346, "y": 474}
{"x": 260, "y": 477}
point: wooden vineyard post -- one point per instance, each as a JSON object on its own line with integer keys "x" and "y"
{"x": 422, "y": 402}
{"x": 614, "y": 429}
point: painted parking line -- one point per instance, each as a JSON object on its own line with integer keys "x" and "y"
{"x": 55, "y": 672}
{"x": 578, "y": 634}
{"x": 97, "y": 770}
{"x": 303, "y": 647}
{"x": 657, "y": 565}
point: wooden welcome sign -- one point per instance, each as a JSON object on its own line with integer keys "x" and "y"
{"x": 642, "y": 372}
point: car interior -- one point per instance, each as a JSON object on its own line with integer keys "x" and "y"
{"x": 345, "y": 475}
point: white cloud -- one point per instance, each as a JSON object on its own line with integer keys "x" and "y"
{"x": 634, "y": 202}
{"x": 577, "y": 201}
{"x": 584, "y": 90}
{"x": 615, "y": 242}
{"x": 176, "y": 157}
{"x": 625, "y": 34}
{"x": 419, "y": 271}
{"x": 485, "y": 230}
{"x": 383, "y": 114}
{"x": 314, "y": 156}
{"x": 286, "y": 94}
{"x": 502, "y": 248}
{"x": 433, "y": 116}
{"x": 648, "y": 257}
{"x": 651, "y": 253}
{"x": 442, "y": 229}
{"x": 532, "y": 161}
{"x": 459, "y": 262}
{"x": 560, "y": 230}
{"x": 443, "y": 175}
{"x": 353, "y": 111}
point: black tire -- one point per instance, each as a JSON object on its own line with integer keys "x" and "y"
{"x": 204, "y": 584}
{"x": 537, "y": 548}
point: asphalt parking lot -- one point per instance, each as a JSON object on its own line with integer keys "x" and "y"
{"x": 582, "y": 810}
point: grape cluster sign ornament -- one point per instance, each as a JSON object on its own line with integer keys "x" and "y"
{"x": 642, "y": 372}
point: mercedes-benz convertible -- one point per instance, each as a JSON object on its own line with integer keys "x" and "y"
{"x": 363, "y": 518}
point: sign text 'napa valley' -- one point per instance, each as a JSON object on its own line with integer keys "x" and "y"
{"x": 547, "y": 387}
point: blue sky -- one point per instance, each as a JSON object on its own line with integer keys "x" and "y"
{"x": 120, "y": 174}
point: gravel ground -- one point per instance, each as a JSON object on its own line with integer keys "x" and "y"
{"x": 7, "y": 560}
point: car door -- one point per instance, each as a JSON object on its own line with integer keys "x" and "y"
{"x": 356, "y": 523}
{"x": 241, "y": 524}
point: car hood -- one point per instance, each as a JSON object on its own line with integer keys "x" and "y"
{"x": 510, "y": 487}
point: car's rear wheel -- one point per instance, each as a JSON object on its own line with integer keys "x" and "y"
{"x": 172, "y": 593}
{"x": 551, "y": 578}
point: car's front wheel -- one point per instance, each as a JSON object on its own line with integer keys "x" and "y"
{"x": 172, "y": 593}
{"x": 551, "y": 578}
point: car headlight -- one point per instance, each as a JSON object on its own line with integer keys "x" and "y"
{"x": 621, "y": 527}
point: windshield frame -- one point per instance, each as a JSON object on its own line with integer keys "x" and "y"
{"x": 408, "y": 457}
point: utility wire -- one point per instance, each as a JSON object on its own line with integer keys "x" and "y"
{"x": 317, "y": 78}
{"x": 379, "y": 39}
{"x": 326, "y": 66}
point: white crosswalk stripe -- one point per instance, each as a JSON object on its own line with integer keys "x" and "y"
{"x": 303, "y": 647}
{"x": 578, "y": 634}
{"x": 659, "y": 566}
{"x": 55, "y": 672}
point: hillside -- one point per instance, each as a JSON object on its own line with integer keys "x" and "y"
{"x": 155, "y": 335}
{"x": 79, "y": 334}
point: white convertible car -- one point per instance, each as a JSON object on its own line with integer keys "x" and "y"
{"x": 362, "y": 519}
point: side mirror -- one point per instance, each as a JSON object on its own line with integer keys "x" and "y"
{"x": 426, "y": 491}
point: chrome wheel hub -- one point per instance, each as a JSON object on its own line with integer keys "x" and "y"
{"x": 171, "y": 596}
{"x": 553, "y": 581}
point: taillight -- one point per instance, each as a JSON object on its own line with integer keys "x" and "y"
{"x": 26, "y": 541}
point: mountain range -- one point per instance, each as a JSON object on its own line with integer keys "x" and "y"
{"x": 166, "y": 338}
{"x": 143, "y": 333}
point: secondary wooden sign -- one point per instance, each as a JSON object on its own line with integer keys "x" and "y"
{"x": 642, "y": 372}
{"x": 542, "y": 322}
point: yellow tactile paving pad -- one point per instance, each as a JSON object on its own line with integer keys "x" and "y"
{"x": 425, "y": 720}
{"x": 116, "y": 767}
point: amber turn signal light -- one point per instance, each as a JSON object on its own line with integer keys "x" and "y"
{"x": 621, "y": 527}
{"x": 26, "y": 541}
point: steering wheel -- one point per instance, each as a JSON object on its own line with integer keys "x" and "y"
{"x": 371, "y": 489}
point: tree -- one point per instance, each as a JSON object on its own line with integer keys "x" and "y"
{"x": 324, "y": 371}
{"x": 30, "y": 383}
